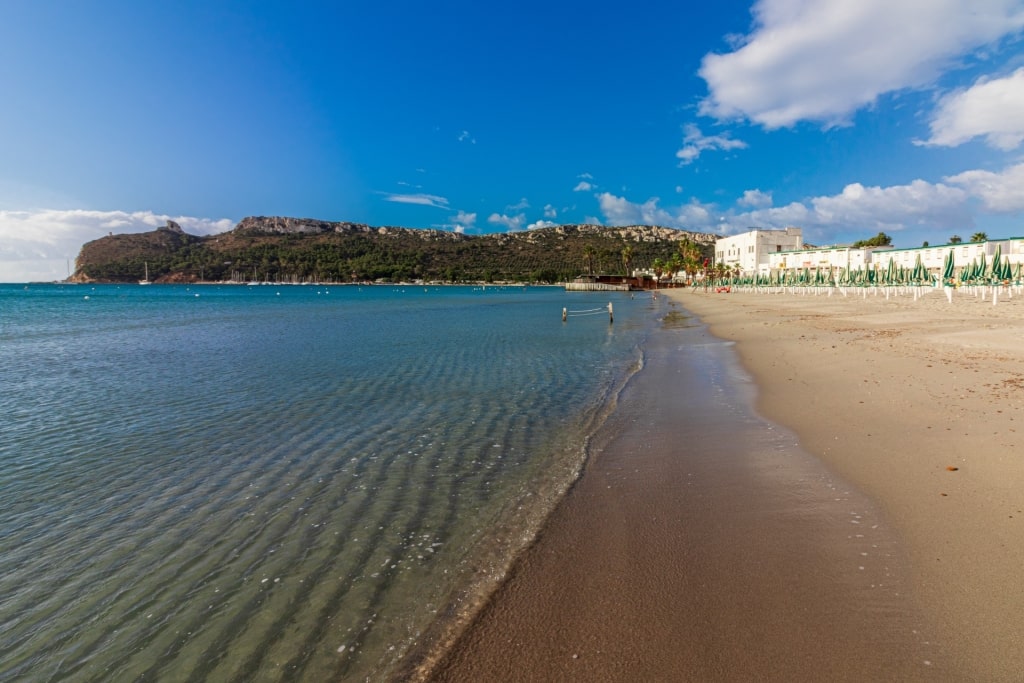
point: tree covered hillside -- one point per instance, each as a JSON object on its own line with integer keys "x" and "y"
{"x": 279, "y": 249}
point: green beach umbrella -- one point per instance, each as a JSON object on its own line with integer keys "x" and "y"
{"x": 997, "y": 257}
{"x": 920, "y": 273}
{"x": 891, "y": 273}
{"x": 948, "y": 267}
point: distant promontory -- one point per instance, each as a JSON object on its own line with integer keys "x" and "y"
{"x": 297, "y": 250}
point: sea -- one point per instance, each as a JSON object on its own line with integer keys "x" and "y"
{"x": 283, "y": 483}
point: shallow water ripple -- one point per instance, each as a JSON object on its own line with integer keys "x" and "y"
{"x": 265, "y": 483}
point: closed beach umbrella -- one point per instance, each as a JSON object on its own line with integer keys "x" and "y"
{"x": 920, "y": 273}
{"x": 948, "y": 267}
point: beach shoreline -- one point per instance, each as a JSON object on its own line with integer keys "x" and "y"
{"x": 919, "y": 403}
{"x": 914, "y": 405}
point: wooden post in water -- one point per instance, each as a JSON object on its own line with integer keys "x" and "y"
{"x": 611, "y": 316}
{"x": 565, "y": 314}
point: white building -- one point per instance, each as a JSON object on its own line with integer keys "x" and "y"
{"x": 827, "y": 258}
{"x": 964, "y": 254}
{"x": 750, "y": 251}
{"x": 741, "y": 249}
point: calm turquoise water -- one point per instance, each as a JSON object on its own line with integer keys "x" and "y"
{"x": 279, "y": 483}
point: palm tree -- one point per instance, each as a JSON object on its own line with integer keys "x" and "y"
{"x": 979, "y": 237}
{"x": 691, "y": 256}
{"x": 658, "y": 267}
{"x": 955, "y": 239}
{"x": 675, "y": 264}
{"x": 627, "y": 258}
{"x": 588, "y": 258}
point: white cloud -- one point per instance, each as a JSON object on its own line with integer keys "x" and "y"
{"x": 895, "y": 207}
{"x": 998, "y": 192}
{"x": 857, "y": 208}
{"x": 418, "y": 198}
{"x": 550, "y": 211}
{"x": 462, "y": 221}
{"x": 37, "y": 245}
{"x": 821, "y": 60}
{"x": 585, "y": 176}
{"x": 512, "y": 223}
{"x": 993, "y": 109}
{"x": 464, "y": 136}
{"x": 866, "y": 210}
{"x": 540, "y": 224}
{"x": 695, "y": 142}
{"x": 755, "y": 199}
{"x": 620, "y": 211}
{"x": 518, "y": 206}
{"x": 583, "y": 186}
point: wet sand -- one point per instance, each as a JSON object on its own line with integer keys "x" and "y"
{"x": 704, "y": 543}
{"x": 921, "y": 405}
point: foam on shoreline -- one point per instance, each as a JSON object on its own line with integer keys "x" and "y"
{"x": 514, "y": 530}
{"x": 702, "y": 543}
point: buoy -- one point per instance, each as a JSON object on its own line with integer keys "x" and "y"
{"x": 565, "y": 314}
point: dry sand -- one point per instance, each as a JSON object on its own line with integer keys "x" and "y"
{"x": 705, "y": 544}
{"x": 893, "y": 395}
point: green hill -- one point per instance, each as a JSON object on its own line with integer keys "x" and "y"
{"x": 278, "y": 249}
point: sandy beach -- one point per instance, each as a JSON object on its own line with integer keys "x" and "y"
{"x": 920, "y": 404}
{"x": 869, "y": 529}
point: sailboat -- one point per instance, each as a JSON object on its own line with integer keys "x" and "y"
{"x": 146, "y": 280}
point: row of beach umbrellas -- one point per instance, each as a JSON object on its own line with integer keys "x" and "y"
{"x": 978, "y": 273}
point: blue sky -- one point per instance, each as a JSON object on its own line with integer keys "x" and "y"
{"x": 905, "y": 116}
